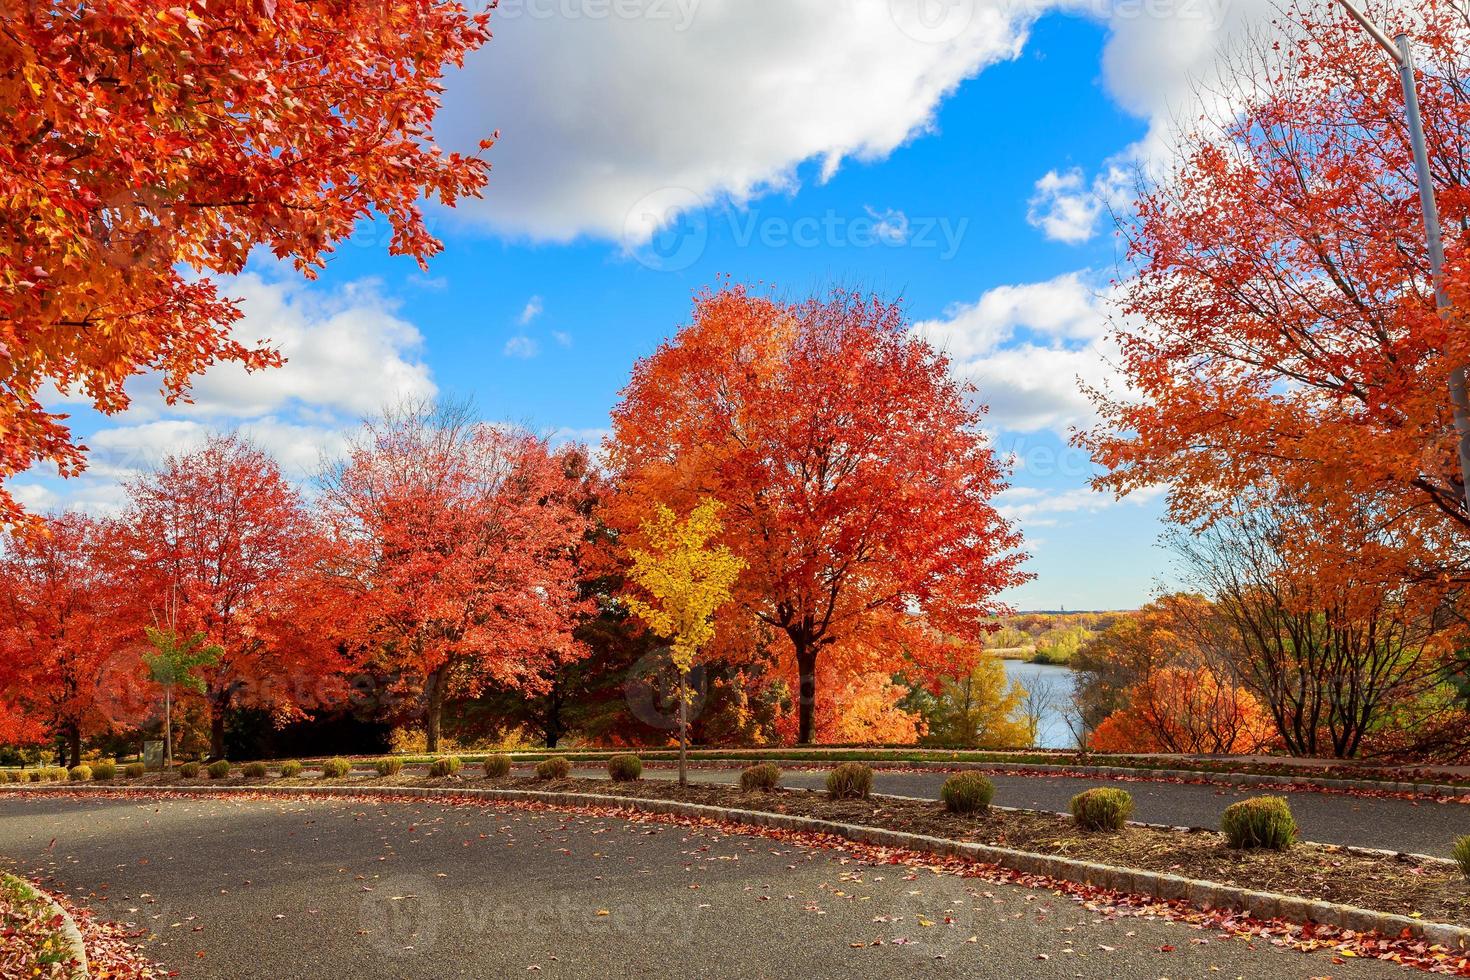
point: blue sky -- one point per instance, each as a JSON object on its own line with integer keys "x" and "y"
{"x": 965, "y": 170}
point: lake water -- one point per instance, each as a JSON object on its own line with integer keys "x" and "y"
{"x": 1058, "y": 682}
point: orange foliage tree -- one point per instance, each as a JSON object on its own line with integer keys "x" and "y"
{"x": 1174, "y": 690}
{"x": 144, "y": 142}
{"x": 855, "y": 480}
{"x": 218, "y": 542}
{"x": 455, "y": 542}
{"x": 1281, "y": 327}
{"x": 68, "y": 668}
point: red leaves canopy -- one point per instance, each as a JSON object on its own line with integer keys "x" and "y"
{"x": 1281, "y": 330}
{"x": 66, "y": 666}
{"x": 139, "y": 137}
{"x": 855, "y": 480}
{"x": 455, "y": 540}
{"x": 218, "y": 541}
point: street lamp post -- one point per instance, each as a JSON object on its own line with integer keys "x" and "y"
{"x": 1403, "y": 56}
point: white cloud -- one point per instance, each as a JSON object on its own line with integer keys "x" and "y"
{"x": 1029, "y": 349}
{"x": 1066, "y": 207}
{"x": 720, "y": 98}
{"x": 531, "y": 311}
{"x": 1037, "y": 506}
{"x": 521, "y": 346}
{"x": 562, "y": 338}
{"x": 890, "y": 225}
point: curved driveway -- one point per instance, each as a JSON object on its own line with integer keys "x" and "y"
{"x": 1416, "y": 826}
{"x": 334, "y": 888}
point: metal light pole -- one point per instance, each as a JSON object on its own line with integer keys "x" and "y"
{"x": 1398, "y": 49}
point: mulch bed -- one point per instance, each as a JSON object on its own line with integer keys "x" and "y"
{"x": 1432, "y": 890}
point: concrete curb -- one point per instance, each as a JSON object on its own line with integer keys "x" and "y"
{"x": 70, "y": 934}
{"x": 1166, "y": 887}
{"x": 1328, "y": 783}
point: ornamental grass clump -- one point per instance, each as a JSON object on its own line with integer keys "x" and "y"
{"x": 967, "y": 792}
{"x": 1461, "y": 853}
{"x": 336, "y": 768}
{"x": 255, "y": 770}
{"x": 218, "y": 769}
{"x": 189, "y": 770}
{"x": 1102, "y": 808}
{"x": 290, "y": 768}
{"x": 762, "y": 777}
{"x": 446, "y": 766}
{"x": 79, "y": 774}
{"x": 497, "y": 766}
{"x": 135, "y": 770}
{"x": 624, "y": 768}
{"x": 850, "y": 781}
{"x": 1260, "y": 822}
{"x": 554, "y": 768}
{"x": 391, "y": 766}
{"x": 103, "y": 772}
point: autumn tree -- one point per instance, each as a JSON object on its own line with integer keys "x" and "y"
{"x": 682, "y": 580}
{"x": 1326, "y": 636}
{"x": 69, "y": 669}
{"x": 175, "y": 663}
{"x": 1280, "y": 327}
{"x": 1165, "y": 679}
{"x": 979, "y": 708}
{"x": 454, "y": 540}
{"x": 855, "y": 482}
{"x": 220, "y": 543}
{"x": 148, "y": 146}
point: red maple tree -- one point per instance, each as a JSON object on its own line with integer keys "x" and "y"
{"x": 855, "y": 480}
{"x": 454, "y": 541}
{"x": 69, "y": 666}
{"x": 146, "y": 145}
{"x": 219, "y": 542}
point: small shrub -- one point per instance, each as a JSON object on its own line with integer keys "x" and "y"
{"x": 79, "y": 774}
{"x": 218, "y": 769}
{"x": 444, "y": 766}
{"x": 497, "y": 766}
{"x": 554, "y": 768}
{"x": 336, "y": 768}
{"x": 290, "y": 768}
{"x": 36, "y": 775}
{"x": 390, "y": 766}
{"x": 1102, "y": 808}
{"x": 255, "y": 770}
{"x": 135, "y": 770}
{"x": 104, "y": 771}
{"x": 189, "y": 770}
{"x": 1461, "y": 854}
{"x": 624, "y": 768}
{"x": 1262, "y": 821}
{"x": 850, "y": 781}
{"x": 967, "y": 792}
{"x": 763, "y": 776}
{"x": 57, "y": 774}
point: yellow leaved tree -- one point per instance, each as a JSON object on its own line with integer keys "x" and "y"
{"x": 684, "y": 580}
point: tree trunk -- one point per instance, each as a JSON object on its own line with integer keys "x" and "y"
{"x": 433, "y": 709}
{"x": 168, "y": 729}
{"x": 683, "y": 728}
{"x": 74, "y": 745}
{"x": 216, "y": 732}
{"x": 806, "y": 668}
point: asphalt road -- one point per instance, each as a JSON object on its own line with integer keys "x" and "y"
{"x": 1416, "y": 826}
{"x": 337, "y": 889}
